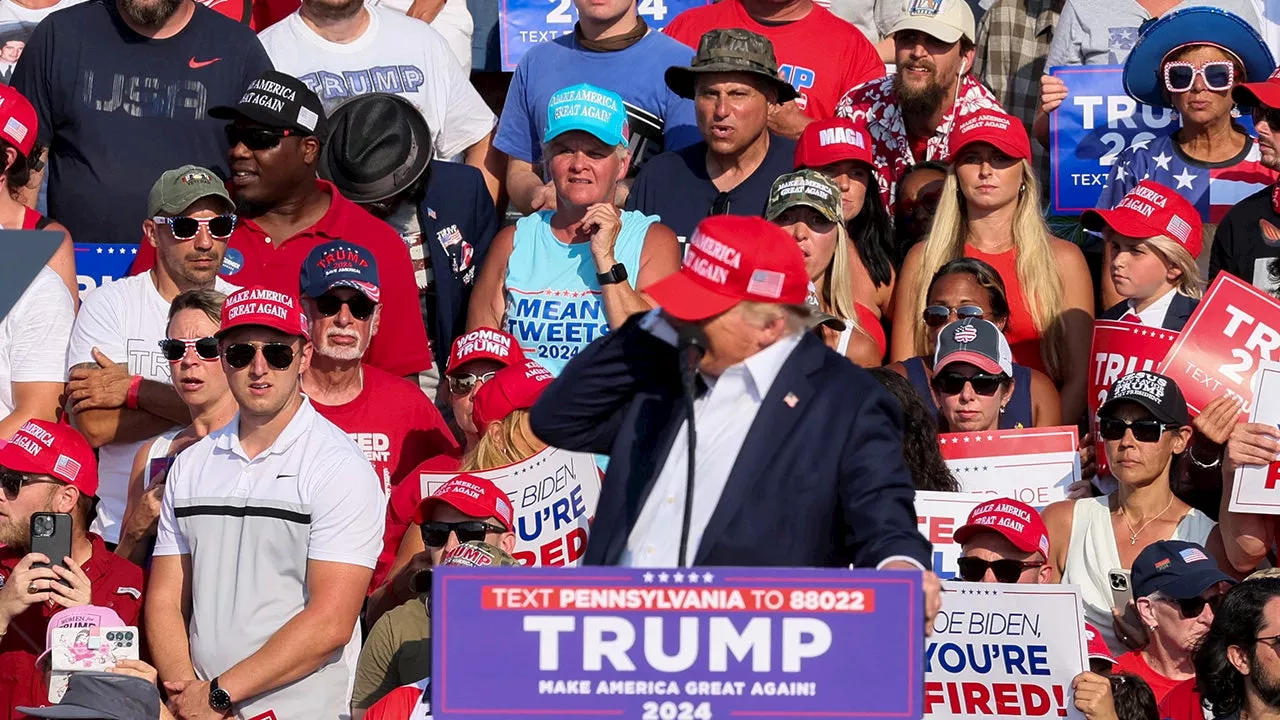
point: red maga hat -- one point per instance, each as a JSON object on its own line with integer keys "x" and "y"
{"x": 1152, "y": 210}
{"x": 41, "y": 447}
{"x": 485, "y": 344}
{"x": 515, "y": 387}
{"x": 266, "y": 308}
{"x": 824, "y": 142}
{"x": 1018, "y": 522}
{"x": 472, "y": 496}
{"x": 993, "y": 127}
{"x": 18, "y": 124}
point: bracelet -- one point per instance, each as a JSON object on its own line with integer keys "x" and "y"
{"x": 131, "y": 400}
{"x": 1191, "y": 453}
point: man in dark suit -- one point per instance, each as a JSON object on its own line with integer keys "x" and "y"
{"x": 799, "y": 456}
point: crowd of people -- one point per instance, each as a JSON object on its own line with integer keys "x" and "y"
{"x": 352, "y": 271}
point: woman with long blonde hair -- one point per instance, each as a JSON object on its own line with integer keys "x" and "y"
{"x": 990, "y": 211}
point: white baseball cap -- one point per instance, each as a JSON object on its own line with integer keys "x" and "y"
{"x": 946, "y": 20}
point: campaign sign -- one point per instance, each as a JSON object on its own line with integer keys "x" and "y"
{"x": 1234, "y": 326}
{"x": 1005, "y": 650}
{"x": 694, "y": 643}
{"x": 525, "y": 23}
{"x": 1034, "y": 465}
{"x": 1095, "y": 123}
{"x": 1257, "y": 487}
{"x": 1120, "y": 348}
{"x": 100, "y": 264}
{"x": 554, "y": 494}
{"x": 938, "y": 515}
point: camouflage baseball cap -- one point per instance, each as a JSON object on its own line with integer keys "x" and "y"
{"x": 726, "y": 51}
{"x": 179, "y": 189}
{"x": 478, "y": 554}
{"x": 808, "y": 188}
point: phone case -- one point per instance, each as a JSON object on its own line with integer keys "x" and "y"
{"x": 87, "y": 649}
{"x": 56, "y": 546}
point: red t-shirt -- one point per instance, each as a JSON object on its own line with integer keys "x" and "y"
{"x": 1020, "y": 330}
{"x": 1133, "y": 663}
{"x": 404, "y": 501}
{"x": 821, "y": 55}
{"x": 117, "y": 584}
{"x": 1182, "y": 703}
{"x": 400, "y": 347}
{"x": 394, "y": 424}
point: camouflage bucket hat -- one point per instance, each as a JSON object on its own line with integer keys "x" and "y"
{"x": 808, "y": 188}
{"x": 732, "y": 50}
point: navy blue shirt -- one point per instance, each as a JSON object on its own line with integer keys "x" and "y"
{"x": 117, "y": 109}
{"x": 675, "y": 186}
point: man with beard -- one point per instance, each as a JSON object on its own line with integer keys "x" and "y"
{"x": 1238, "y": 663}
{"x": 122, "y": 89}
{"x": 48, "y": 467}
{"x": 119, "y": 390}
{"x": 388, "y": 417}
{"x": 910, "y": 114}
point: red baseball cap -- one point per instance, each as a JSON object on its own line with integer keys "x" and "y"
{"x": 829, "y": 141}
{"x": 41, "y": 447}
{"x": 1097, "y": 646}
{"x": 18, "y": 123}
{"x": 515, "y": 387}
{"x": 1150, "y": 210}
{"x": 485, "y": 344}
{"x": 257, "y": 305}
{"x": 472, "y": 496}
{"x": 993, "y": 127}
{"x": 1018, "y": 522}
{"x": 732, "y": 258}
{"x": 1265, "y": 92}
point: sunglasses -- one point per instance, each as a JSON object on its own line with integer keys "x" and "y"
{"x": 174, "y": 349}
{"x": 436, "y": 534}
{"x": 185, "y": 228}
{"x": 973, "y": 569}
{"x": 1180, "y": 76}
{"x": 1146, "y": 430}
{"x": 985, "y": 384}
{"x": 277, "y": 355}
{"x": 255, "y": 138}
{"x": 720, "y": 206}
{"x": 1268, "y": 115}
{"x": 1192, "y": 607}
{"x": 466, "y": 382}
{"x": 935, "y": 316}
{"x": 361, "y": 306}
{"x": 13, "y": 481}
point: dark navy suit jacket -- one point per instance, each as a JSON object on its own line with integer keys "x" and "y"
{"x": 819, "y": 481}
{"x": 1175, "y": 318}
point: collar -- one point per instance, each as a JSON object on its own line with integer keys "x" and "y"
{"x": 761, "y": 369}
{"x": 1155, "y": 313}
{"x": 227, "y": 438}
{"x": 331, "y": 225}
{"x": 1047, "y": 15}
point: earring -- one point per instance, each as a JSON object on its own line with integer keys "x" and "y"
{"x": 1023, "y": 188}
{"x": 1002, "y": 409}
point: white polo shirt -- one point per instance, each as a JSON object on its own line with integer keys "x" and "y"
{"x": 250, "y": 527}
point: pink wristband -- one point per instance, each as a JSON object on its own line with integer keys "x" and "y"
{"x": 131, "y": 400}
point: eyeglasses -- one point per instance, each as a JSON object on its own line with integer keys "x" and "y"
{"x": 174, "y": 349}
{"x": 436, "y": 534}
{"x": 1192, "y": 607}
{"x": 255, "y": 138}
{"x": 464, "y": 383}
{"x": 361, "y": 306}
{"x": 185, "y": 228}
{"x": 1219, "y": 75}
{"x": 985, "y": 384}
{"x": 1272, "y": 640}
{"x": 720, "y": 206}
{"x": 13, "y": 481}
{"x": 1145, "y": 430}
{"x": 973, "y": 569}
{"x": 935, "y": 316}
{"x": 277, "y": 355}
{"x": 1268, "y": 115}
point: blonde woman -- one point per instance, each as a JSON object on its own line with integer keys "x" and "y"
{"x": 990, "y": 211}
{"x": 1153, "y": 237}
{"x": 807, "y": 205}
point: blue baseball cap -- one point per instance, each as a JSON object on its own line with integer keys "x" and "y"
{"x": 340, "y": 264}
{"x": 590, "y": 109}
{"x": 1179, "y": 569}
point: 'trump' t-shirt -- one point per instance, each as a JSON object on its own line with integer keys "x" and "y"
{"x": 16, "y": 25}
{"x": 116, "y": 109}
{"x": 821, "y": 55}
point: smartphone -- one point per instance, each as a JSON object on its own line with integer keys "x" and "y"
{"x": 1122, "y": 595}
{"x": 51, "y": 536}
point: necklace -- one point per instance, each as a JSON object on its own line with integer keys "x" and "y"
{"x": 1133, "y": 534}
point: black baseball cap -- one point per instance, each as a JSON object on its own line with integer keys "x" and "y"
{"x": 1179, "y": 569}
{"x": 278, "y": 101}
{"x": 1160, "y": 396}
{"x": 103, "y": 696}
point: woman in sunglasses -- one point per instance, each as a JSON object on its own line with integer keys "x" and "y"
{"x": 1189, "y": 61}
{"x": 192, "y": 352}
{"x": 971, "y": 289}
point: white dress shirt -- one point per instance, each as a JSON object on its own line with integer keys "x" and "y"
{"x": 1153, "y": 316}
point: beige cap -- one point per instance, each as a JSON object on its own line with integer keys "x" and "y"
{"x": 946, "y": 20}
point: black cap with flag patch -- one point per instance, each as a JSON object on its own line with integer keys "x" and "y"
{"x": 277, "y": 101}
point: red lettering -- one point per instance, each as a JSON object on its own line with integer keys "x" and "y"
{"x": 1006, "y": 699}
{"x": 976, "y": 698}
{"x": 1035, "y": 701}
{"x": 527, "y": 558}
{"x": 932, "y": 695}
{"x": 1273, "y": 475}
{"x": 553, "y": 553}
{"x": 577, "y": 542}
{"x": 940, "y": 530}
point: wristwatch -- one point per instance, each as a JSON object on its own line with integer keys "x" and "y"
{"x": 616, "y": 274}
{"x": 219, "y": 699}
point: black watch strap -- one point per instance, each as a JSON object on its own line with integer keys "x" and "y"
{"x": 219, "y": 699}
{"x": 616, "y": 274}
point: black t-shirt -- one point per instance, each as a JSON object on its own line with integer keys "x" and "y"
{"x": 1246, "y": 241}
{"x": 117, "y": 109}
{"x": 675, "y": 186}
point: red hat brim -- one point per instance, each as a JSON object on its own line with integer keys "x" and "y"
{"x": 686, "y": 299}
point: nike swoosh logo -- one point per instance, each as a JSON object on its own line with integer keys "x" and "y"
{"x": 197, "y": 64}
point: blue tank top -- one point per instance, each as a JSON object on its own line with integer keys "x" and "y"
{"x": 1016, "y": 414}
{"x": 554, "y": 304}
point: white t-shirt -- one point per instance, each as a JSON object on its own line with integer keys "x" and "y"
{"x": 453, "y": 22}
{"x": 34, "y": 336}
{"x": 126, "y": 319}
{"x": 397, "y": 54}
{"x": 250, "y": 527}
{"x": 16, "y": 25}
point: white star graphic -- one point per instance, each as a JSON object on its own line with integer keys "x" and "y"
{"x": 1141, "y": 144}
{"x": 1162, "y": 161}
{"x": 99, "y": 251}
{"x": 1184, "y": 180}
{"x": 708, "y": 577}
{"x": 133, "y": 250}
{"x": 679, "y": 577}
{"x": 1120, "y": 172}
{"x": 693, "y": 577}
{"x": 648, "y": 577}
{"x": 111, "y": 251}
{"x": 662, "y": 577}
